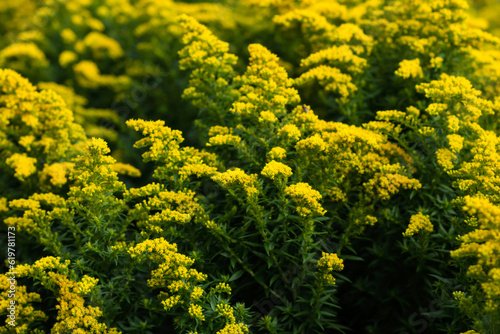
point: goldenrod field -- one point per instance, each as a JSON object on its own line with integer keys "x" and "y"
{"x": 250, "y": 166}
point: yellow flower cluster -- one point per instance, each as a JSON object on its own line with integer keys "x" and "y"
{"x": 277, "y": 153}
{"x": 338, "y": 56}
{"x": 164, "y": 148}
{"x": 36, "y": 221}
{"x": 265, "y": 87}
{"x": 231, "y": 140}
{"x": 56, "y": 173}
{"x": 86, "y": 285}
{"x": 38, "y": 132}
{"x": 445, "y": 158}
{"x": 267, "y": 116}
{"x": 197, "y": 293}
{"x": 89, "y": 118}
{"x": 161, "y": 138}
{"x": 196, "y": 311}
{"x": 73, "y": 315}
{"x": 23, "y": 57}
{"x": 126, "y": 169}
{"x": 170, "y": 207}
{"x": 88, "y": 75}
{"x": 221, "y": 288}
{"x": 94, "y": 174}
{"x": 100, "y": 45}
{"x": 418, "y": 222}
{"x": 306, "y": 199}
{"x": 311, "y": 145}
{"x": 172, "y": 265}
{"x": 226, "y": 311}
{"x": 276, "y": 170}
{"x": 328, "y": 263}
{"x": 410, "y": 69}
{"x": 332, "y": 79}
{"x": 383, "y": 185}
{"x": 204, "y": 52}
{"x": 174, "y": 273}
{"x": 3, "y": 204}
{"x": 449, "y": 89}
{"x": 25, "y": 313}
{"x": 234, "y": 329}
{"x": 289, "y": 132}
{"x": 483, "y": 244}
{"x": 237, "y": 178}
{"x": 23, "y": 165}
{"x": 455, "y": 142}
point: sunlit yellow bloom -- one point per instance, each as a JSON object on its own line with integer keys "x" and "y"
{"x": 410, "y": 69}
{"x": 289, "y": 132}
{"x": 67, "y": 58}
{"x": 195, "y": 311}
{"x": 329, "y": 262}
{"x": 306, "y": 199}
{"x": 277, "y": 153}
{"x": 23, "y": 165}
{"x": 445, "y": 158}
{"x": 455, "y": 142}
{"x": 276, "y": 169}
{"x": 418, "y": 222}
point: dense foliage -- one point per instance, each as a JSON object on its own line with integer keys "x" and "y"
{"x": 230, "y": 167}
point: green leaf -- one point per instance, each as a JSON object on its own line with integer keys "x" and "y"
{"x": 236, "y": 275}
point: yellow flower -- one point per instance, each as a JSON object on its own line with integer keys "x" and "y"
{"x": 328, "y": 263}
{"x": 23, "y": 165}
{"x": 86, "y": 284}
{"x": 418, "y": 222}
{"x": 426, "y": 131}
{"x": 56, "y": 173}
{"x": 267, "y": 117}
{"x": 453, "y": 123}
{"x": 221, "y": 287}
{"x": 67, "y": 58}
{"x": 277, "y": 153}
{"x": 276, "y": 169}
{"x": 87, "y": 74}
{"x": 234, "y": 329}
{"x": 226, "y": 311}
{"x": 102, "y": 46}
{"x": 172, "y": 301}
{"x": 126, "y": 169}
{"x": 68, "y": 36}
{"x": 332, "y": 79}
{"x": 313, "y": 145}
{"x": 306, "y": 199}
{"x": 445, "y": 158}
{"x": 235, "y": 177}
{"x": 196, "y": 293}
{"x": 410, "y": 69}
{"x": 455, "y": 142}
{"x": 289, "y": 132}
{"x": 3, "y": 204}
{"x": 219, "y": 130}
{"x": 338, "y": 56}
{"x": 391, "y": 115}
{"x": 437, "y": 62}
{"x": 196, "y": 312}
{"x": 27, "y": 141}
{"x": 28, "y": 51}
{"x": 224, "y": 140}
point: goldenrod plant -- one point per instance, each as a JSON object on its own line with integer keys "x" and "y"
{"x": 281, "y": 166}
